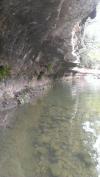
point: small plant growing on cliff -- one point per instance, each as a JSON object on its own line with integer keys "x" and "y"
{"x": 4, "y": 72}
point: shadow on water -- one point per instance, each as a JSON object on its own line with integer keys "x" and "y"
{"x": 56, "y": 137}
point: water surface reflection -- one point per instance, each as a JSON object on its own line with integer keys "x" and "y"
{"x": 57, "y": 137}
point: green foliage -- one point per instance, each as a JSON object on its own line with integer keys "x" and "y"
{"x": 49, "y": 67}
{"x": 4, "y": 72}
{"x": 90, "y": 44}
{"x": 90, "y": 57}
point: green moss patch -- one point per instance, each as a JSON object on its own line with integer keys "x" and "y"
{"x": 4, "y": 72}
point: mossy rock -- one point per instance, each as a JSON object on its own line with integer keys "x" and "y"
{"x": 50, "y": 67}
{"x": 4, "y": 72}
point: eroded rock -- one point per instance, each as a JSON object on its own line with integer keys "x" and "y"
{"x": 35, "y": 36}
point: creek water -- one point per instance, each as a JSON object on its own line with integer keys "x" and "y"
{"x": 58, "y": 136}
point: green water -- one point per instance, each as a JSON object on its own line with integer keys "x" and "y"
{"x": 56, "y": 137}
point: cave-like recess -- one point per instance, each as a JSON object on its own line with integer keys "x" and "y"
{"x": 35, "y": 36}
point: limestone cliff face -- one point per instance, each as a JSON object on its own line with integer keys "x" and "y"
{"x": 36, "y": 35}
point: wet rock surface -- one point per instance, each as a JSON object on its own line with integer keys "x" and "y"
{"x": 20, "y": 92}
{"x": 35, "y": 36}
{"x": 9, "y": 101}
{"x": 36, "y": 41}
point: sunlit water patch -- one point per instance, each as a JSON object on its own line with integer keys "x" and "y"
{"x": 59, "y": 136}
{"x": 94, "y": 130}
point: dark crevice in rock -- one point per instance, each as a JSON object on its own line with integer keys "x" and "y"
{"x": 92, "y": 15}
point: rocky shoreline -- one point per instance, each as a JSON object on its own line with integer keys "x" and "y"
{"x": 18, "y": 92}
{"x": 13, "y": 93}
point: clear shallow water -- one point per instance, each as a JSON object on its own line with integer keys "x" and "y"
{"x": 59, "y": 136}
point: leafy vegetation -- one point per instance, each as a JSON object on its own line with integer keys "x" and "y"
{"x": 90, "y": 51}
{"x": 90, "y": 57}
